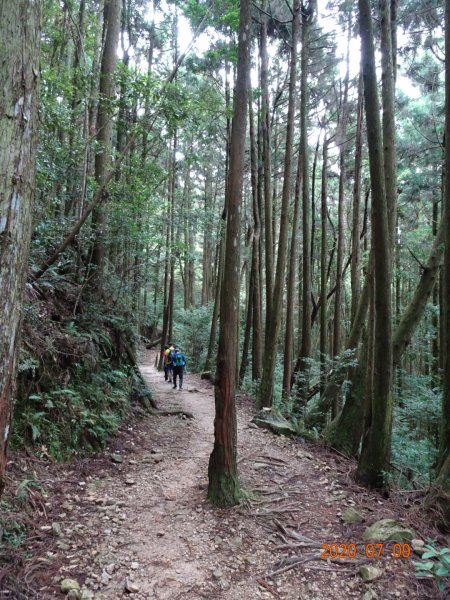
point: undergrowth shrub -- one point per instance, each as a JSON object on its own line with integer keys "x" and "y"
{"x": 415, "y": 430}
{"x": 79, "y": 416}
{"x": 74, "y": 379}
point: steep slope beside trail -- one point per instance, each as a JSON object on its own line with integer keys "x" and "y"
{"x": 142, "y": 527}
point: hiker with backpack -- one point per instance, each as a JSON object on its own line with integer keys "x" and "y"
{"x": 178, "y": 366}
{"x": 167, "y": 362}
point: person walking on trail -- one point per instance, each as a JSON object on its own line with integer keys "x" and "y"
{"x": 167, "y": 362}
{"x": 178, "y": 365}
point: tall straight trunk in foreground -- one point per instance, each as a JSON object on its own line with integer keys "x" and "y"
{"x": 223, "y": 487}
{"x": 301, "y": 369}
{"x": 439, "y": 497}
{"x": 19, "y": 42}
{"x": 266, "y": 388}
{"x": 376, "y": 448}
{"x": 267, "y": 160}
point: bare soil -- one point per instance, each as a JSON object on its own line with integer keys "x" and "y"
{"x": 143, "y": 528}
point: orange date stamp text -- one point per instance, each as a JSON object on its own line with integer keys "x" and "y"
{"x": 369, "y": 550}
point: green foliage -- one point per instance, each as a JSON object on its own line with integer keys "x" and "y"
{"x": 435, "y": 563}
{"x": 191, "y": 331}
{"x": 79, "y": 417}
{"x": 12, "y": 532}
{"x": 74, "y": 385}
{"x": 415, "y": 430}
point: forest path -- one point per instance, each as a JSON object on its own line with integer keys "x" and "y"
{"x": 142, "y": 527}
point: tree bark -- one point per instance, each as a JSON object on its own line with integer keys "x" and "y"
{"x": 340, "y": 230}
{"x": 104, "y": 135}
{"x": 265, "y": 393}
{"x": 355, "y": 282}
{"x": 302, "y": 365}
{"x": 19, "y": 42}
{"x": 267, "y": 159}
{"x": 376, "y": 448}
{"x": 444, "y": 439}
{"x": 289, "y": 331}
{"x": 223, "y": 489}
{"x": 323, "y": 269}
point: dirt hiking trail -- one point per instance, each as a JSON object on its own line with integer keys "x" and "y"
{"x": 134, "y": 521}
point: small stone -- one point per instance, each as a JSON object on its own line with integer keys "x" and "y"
{"x": 257, "y": 466}
{"x": 134, "y": 566}
{"x": 351, "y": 515}
{"x": 217, "y": 574}
{"x": 225, "y": 585}
{"x": 62, "y": 545}
{"x": 236, "y": 542}
{"x": 388, "y": 530}
{"x": 160, "y": 533}
{"x": 337, "y": 496}
{"x": 69, "y": 584}
{"x": 132, "y": 587}
{"x": 369, "y": 573}
{"x": 418, "y": 546}
{"x": 87, "y": 594}
{"x": 117, "y": 458}
{"x": 130, "y": 481}
{"x": 74, "y": 595}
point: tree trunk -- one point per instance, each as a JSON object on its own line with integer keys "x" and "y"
{"x": 323, "y": 270}
{"x": 340, "y": 231}
{"x": 435, "y": 379}
{"x": 19, "y": 42}
{"x": 412, "y": 315}
{"x": 265, "y": 393}
{"x": 355, "y": 283}
{"x": 256, "y": 255}
{"x": 216, "y": 310}
{"x": 444, "y": 439}
{"x": 289, "y": 332}
{"x": 302, "y": 364}
{"x": 223, "y": 487}
{"x": 376, "y": 448}
{"x": 267, "y": 159}
{"x": 104, "y": 135}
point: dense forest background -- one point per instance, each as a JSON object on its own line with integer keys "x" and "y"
{"x": 340, "y": 311}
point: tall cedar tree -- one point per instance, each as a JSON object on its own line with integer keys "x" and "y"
{"x": 104, "y": 133}
{"x": 301, "y": 369}
{"x": 19, "y": 41}
{"x": 274, "y": 322}
{"x": 376, "y": 448}
{"x": 223, "y": 487}
{"x": 439, "y": 497}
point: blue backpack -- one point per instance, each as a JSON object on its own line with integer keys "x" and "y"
{"x": 178, "y": 359}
